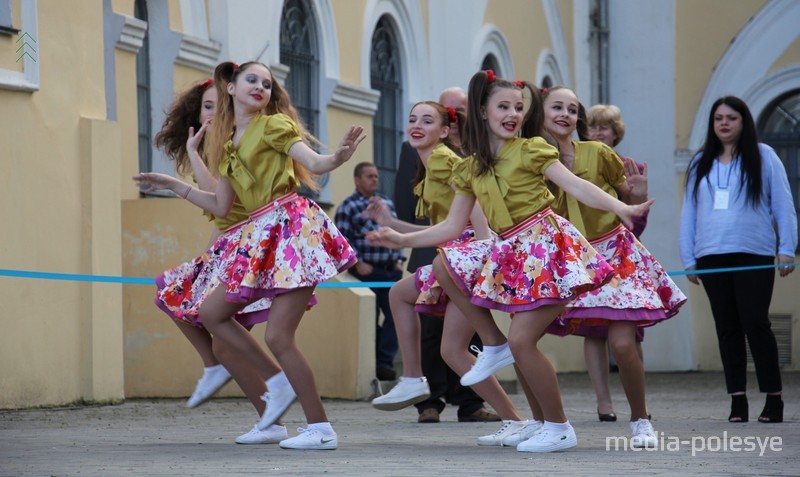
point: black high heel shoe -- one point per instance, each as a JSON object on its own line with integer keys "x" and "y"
{"x": 610, "y": 417}
{"x": 740, "y": 411}
{"x": 773, "y": 409}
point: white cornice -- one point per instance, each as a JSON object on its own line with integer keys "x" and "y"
{"x": 132, "y": 36}
{"x": 198, "y": 53}
{"x": 353, "y": 98}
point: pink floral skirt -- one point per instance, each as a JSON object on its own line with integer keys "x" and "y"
{"x": 543, "y": 260}
{"x": 432, "y": 300}
{"x": 179, "y": 286}
{"x": 640, "y": 290}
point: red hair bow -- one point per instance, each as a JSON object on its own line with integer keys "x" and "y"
{"x": 490, "y": 76}
{"x": 235, "y": 66}
{"x": 519, "y": 84}
{"x": 452, "y": 113}
{"x": 205, "y": 84}
{"x": 544, "y": 91}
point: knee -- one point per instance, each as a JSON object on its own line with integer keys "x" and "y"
{"x": 519, "y": 344}
{"x": 440, "y": 270}
{"x": 623, "y": 348}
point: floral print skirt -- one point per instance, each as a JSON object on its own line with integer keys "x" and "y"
{"x": 640, "y": 290}
{"x": 432, "y": 300}
{"x": 543, "y": 260}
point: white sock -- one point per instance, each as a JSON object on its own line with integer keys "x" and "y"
{"x": 557, "y": 426}
{"x": 217, "y": 368}
{"x": 278, "y": 381}
{"x": 408, "y": 378}
{"x": 495, "y": 349}
{"x": 323, "y": 427}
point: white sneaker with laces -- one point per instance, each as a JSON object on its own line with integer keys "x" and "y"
{"x": 548, "y": 440}
{"x": 213, "y": 379}
{"x": 272, "y": 435}
{"x": 508, "y": 428}
{"x": 406, "y": 392}
{"x": 528, "y": 430}
{"x": 278, "y": 402}
{"x": 643, "y": 434}
{"x": 486, "y": 365}
{"x": 311, "y": 439}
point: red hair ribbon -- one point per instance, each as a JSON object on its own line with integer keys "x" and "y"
{"x": 519, "y": 84}
{"x": 490, "y": 76}
{"x": 544, "y": 91}
{"x": 235, "y": 67}
{"x": 452, "y": 113}
{"x": 205, "y": 84}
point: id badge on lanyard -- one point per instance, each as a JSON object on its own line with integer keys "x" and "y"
{"x": 721, "y": 197}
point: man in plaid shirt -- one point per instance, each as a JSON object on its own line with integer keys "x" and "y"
{"x": 375, "y": 264}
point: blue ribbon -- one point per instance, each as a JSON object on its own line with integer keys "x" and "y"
{"x": 149, "y": 281}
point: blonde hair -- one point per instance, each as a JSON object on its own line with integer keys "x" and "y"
{"x": 610, "y": 115}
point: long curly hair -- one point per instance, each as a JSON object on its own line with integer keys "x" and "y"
{"x": 181, "y": 115}
{"x": 223, "y": 123}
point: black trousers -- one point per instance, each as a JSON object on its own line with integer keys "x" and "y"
{"x": 740, "y": 305}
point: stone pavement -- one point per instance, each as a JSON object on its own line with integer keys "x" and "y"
{"x": 162, "y": 437}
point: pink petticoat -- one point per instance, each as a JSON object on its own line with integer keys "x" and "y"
{"x": 543, "y": 260}
{"x": 432, "y": 300}
{"x": 639, "y": 291}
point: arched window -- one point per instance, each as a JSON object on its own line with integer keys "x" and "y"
{"x": 490, "y": 63}
{"x": 299, "y": 51}
{"x": 385, "y": 78}
{"x": 143, "y": 93}
{"x": 779, "y": 126}
{"x": 547, "y": 82}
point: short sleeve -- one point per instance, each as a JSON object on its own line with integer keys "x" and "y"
{"x": 537, "y": 155}
{"x": 281, "y": 133}
{"x": 462, "y": 177}
{"x": 612, "y": 168}
{"x": 441, "y": 163}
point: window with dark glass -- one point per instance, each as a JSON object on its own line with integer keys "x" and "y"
{"x": 143, "y": 93}
{"x": 490, "y": 63}
{"x": 385, "y": 77}
{"x": 779, "y": 126}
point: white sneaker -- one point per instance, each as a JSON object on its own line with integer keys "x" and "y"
{"x": 272, "y": 435}
{"x": 311, "y": 439}
{"x": 278, "y": 403}
{"x": 508, "y": 428}
{"x": 528, "y": 430}
{"x": 486, "y": 365}
{"x": 547, "y": 440}
{"x": 213, "y": 379}
{"x": 643, "y": 434}
{"x": 406, "y": 392}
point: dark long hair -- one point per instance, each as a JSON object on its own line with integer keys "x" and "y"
{"x": 746, "y": 147}
{"x": 181, "y": 115}
{"x": 444, "y": 116}
{"x": 475, "y": 134}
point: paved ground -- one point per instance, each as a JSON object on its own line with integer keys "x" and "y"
{"x": 162, "y": 437}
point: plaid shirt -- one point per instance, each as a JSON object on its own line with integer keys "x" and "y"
{"x": 354, "y": 227}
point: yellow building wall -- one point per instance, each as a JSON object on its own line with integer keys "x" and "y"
{"x": 349, "y": 21}
{"x": 61, "y": 215}
{"x": 526, "y": 32}
{"x": 703, "y": 31}
{"x": 790, "y": 56}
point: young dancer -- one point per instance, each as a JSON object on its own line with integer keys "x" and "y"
{"x": 605, "y": 125}
{"x": 190, "y": 111}
{"x": 539, "y": 262}
{"x": 287, "y": 246}
{"x": 738, "y": 212}
{"x": 640, "y": 292}
{"x": 427, "y": 129}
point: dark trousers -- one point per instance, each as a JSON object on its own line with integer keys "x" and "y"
{"x": 386, "y": 345}
{"x": 444, "y": 382}
{"x": 740, "y": 305}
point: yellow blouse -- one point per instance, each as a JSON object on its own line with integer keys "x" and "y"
{"x": 260, "y": 169}
{"x": 600, "y": 165}
{"x": 236, "y": 214}
{"x": 514, "y": 188}
{"x": 434, "y": 193}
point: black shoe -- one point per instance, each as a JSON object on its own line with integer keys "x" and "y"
{"x": 610, "y": 417}
{"x": 385, "y": 374}
{"x": 773, "y": 409}
{"x": 740, "y": 412}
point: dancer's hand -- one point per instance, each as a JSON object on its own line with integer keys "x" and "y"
{"x": 377, "y": 211}
{"x": 194, "y": 140}
{"x": 151, "y": 181}
{"x": 385, "y": 237}
{"x": 349, "y": 143}
{"x": 627, "y": 214}
{"x": 637, "y": 181}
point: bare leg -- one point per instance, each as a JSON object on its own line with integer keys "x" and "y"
{"x": 402, "y": 297}
{"x": 217, "y": 316}
{"x": 526, "y": 330}
{"x": 456, "y": 336}
{"x": 536, "y": 409}
{"x": 284, "y": 317}
{"x": 595, "y": 353}
{"x": 200, "y": 339}
{"x": 622, "y": 336}
{"x": 479, "y": 318}
{"x": 246, "y": 376}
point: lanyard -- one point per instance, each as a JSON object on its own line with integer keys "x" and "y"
{"x": 730, "y": 171}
